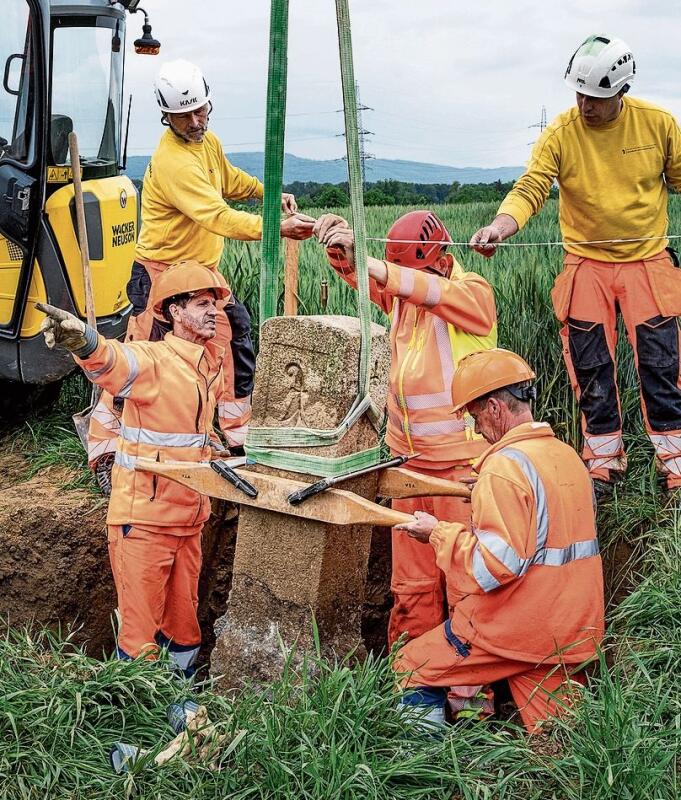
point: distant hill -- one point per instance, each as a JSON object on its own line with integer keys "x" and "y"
{"x": 378, "y": 169}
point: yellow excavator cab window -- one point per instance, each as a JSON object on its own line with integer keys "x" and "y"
{"x": 87, "y": 77}
{"x": 15, "y": 58}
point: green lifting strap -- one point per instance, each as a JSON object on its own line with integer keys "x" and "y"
{"x": 315, "y": 465}
{"x": 274, "y": 159}
{"x": 261, "y": 440}
{"x": 356, "y": 193}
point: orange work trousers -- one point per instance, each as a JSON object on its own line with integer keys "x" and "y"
{"x": 418, "y": 585}
{"x": 587, "y": 297}
{"x": 157, "y": 580}
{"x": 439, "y": 658}
{"x": 232, "y": 334}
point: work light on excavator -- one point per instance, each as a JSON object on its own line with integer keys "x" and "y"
{"x": 146, "y": 45}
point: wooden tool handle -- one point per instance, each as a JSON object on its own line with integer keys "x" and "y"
{"x": 335, "y": 506}
{"x": 291, "y": 250}
{"x": 82, "y": 232}
{"x": 402, "y": 482}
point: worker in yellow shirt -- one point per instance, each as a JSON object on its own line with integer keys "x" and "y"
{"x": 184, "y": 216}
{"x": 614, "y": 158}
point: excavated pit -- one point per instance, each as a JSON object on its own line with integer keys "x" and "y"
{"x": 54, "y": 566}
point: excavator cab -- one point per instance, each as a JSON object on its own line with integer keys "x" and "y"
{"x": 62, "y": 65}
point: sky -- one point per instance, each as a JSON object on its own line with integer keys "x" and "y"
{"x": 448, "y": 82}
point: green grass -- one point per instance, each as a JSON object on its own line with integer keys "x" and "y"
{"x": 50, "y": 439}
{"x": 332, "y": 732}
{"x": 323, "y": 730}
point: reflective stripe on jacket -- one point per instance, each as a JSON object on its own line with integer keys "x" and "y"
{"x": 527, "y": 581}
{"x": 435, "y": 322}
{"x": 171, "y": 389}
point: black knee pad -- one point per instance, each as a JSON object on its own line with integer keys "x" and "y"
{"x": 138, "y": 288}
{"x": 657, "y": 348}
{"x": 595, "y": 373}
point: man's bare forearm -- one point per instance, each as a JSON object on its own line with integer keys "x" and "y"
{"x": 505, "y": 225}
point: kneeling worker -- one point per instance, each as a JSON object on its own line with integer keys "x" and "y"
{"x": 525, "y": 580}
{"x": 171, "y": 389}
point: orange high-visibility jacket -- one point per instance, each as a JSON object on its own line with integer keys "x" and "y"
{"x": 527, "y": 581}
{"x": 435, "y": 322}
{"x": 171, "y": 389}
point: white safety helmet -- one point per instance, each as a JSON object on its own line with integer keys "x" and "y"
{"x": 180, "y": 86}
{"x": 601, "y": 67}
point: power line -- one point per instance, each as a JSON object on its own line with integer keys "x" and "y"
{"x": 439, "y": 126}
{"x": 262, "y": 116}
{"x": 362, "y": 133}
{"x": 541, "y": 124}
{"x": 259, "y": 142}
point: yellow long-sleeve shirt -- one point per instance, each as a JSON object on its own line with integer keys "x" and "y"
{"x": 613, "y": 180}
{"x": 184, "y": 214}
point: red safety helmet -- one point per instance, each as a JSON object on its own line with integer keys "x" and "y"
{"x": 422, "y": 226}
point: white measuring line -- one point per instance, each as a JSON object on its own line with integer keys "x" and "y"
{"x": 527, "y": 244}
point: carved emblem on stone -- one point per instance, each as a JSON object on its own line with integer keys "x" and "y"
{"x": 291, "y": 410}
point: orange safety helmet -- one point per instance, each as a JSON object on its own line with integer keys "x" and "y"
{"x": 416, "y": 226}
{"x": 184, "y": 277}
{"x": 483, "y": 372}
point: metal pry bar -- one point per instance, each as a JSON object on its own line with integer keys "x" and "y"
{"x": 321, "y": 486}
{"x": 226, "y": 472}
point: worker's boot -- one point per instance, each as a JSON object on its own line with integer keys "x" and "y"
{"x": 668, "y": 483}
{"x": 423, "y": 708}
{"x": 102, "y": 469}
{"x": 669, "y": 488}
{"x": 181, "y": 658}
{"x": 605, "y": 482}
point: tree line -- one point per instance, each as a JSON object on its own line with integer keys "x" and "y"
{"x": 399, "y": 193}
{"x": 392, "y": 193}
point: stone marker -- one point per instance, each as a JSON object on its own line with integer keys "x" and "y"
{"x": 286, "y": 569}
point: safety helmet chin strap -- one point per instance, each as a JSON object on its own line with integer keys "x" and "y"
{"x": 443, "y": 265}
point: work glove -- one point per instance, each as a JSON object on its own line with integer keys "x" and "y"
{"x": 60, "y": 327}
{"x": 102, "y": 469}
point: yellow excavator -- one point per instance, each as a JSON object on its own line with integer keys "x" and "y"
{"x": 62, "y": 64}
